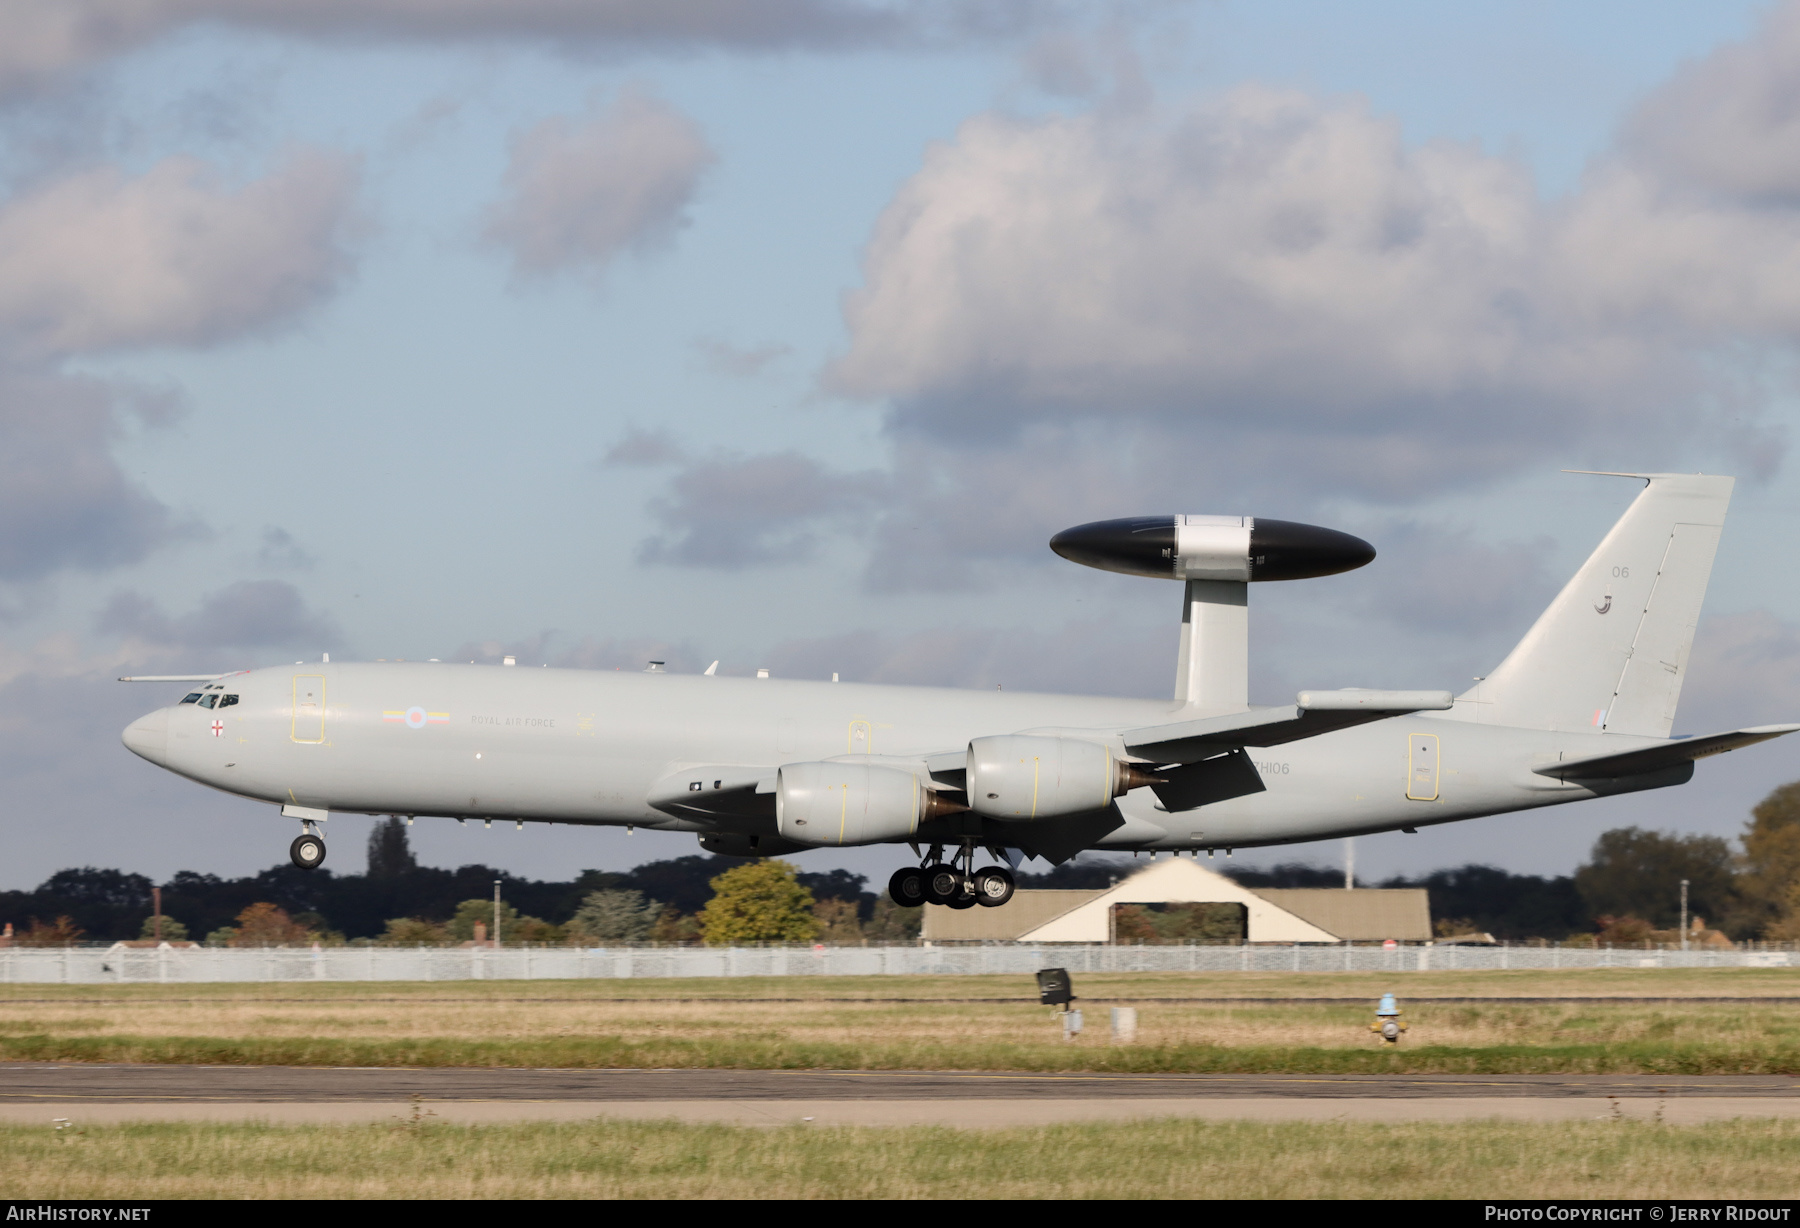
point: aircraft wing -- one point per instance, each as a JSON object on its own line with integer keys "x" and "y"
{"x": 178, "y": 677}
{"x": 1665, "y": 755}
{"x": 1313, "y": 713}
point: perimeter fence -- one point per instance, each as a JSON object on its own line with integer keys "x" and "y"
{"x": 136, "y": 965}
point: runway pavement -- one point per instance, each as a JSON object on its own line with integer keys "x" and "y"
{"x": 36, "y": 1093}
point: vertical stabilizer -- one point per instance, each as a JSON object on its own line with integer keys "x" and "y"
{"x": 1611, "y": 652}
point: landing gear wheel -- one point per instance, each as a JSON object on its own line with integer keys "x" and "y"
{"x": 308, "y": 851}
{"x": 994, "y": 886}
{"x": 907, "y": 887}
{"x": 962, "y": 901}
{"x": 943, "y": 885}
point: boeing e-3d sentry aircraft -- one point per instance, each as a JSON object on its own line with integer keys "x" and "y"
{"x": 1581, "y": 708}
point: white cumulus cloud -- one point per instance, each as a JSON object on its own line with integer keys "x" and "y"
{"x": 98, "y": 258}
{"x": 1268, "y": 293}
{"x": 581, "y": 191}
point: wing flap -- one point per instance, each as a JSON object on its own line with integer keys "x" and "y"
{"x": 1218, "y": 779}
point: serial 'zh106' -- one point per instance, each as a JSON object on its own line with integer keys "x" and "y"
{"x": 1583, "y": 707}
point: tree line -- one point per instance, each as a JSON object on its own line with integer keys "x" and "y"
{"x": 1628, "y": 890}
{"x": 400, "y": 902}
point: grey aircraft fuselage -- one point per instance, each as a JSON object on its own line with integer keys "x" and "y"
{"x": 1582, "y": 707}
{"x": 583, "y": 746}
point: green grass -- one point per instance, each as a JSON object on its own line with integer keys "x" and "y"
{"x": 1166, "y": 1158}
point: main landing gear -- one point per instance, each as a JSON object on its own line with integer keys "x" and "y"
{"x": 307, "y": 850}
{"x": 954, "y": 884}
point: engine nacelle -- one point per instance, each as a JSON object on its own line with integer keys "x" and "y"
{"x": 852, "y": 803}
{"x": 1025, "y": 776}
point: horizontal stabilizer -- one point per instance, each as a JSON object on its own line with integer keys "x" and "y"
{"x": 1318, "y": 712}
{"x": 1656, "y": 758}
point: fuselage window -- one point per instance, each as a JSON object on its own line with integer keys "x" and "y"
{"x": 209, "y": 701}
{"x": 191, "y": 699}
{"x": 225, "y": 701}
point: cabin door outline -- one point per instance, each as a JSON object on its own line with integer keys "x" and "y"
{"x": 309, "y": 709}
{"x": 1422, "y": 767}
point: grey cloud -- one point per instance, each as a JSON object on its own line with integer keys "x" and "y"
{"x": 1443, "y": 581}
{"x": 64, "y": 502}
{"x": 968, "y": 510}
{"x": 580, "y": 192}
{"x": 247, "y": 614}
{"x": 975, "y": 506}
{"x": 1744, "y": 670}
{"x": 645, "y": 449}
{"x": 722, "y": 358}
{"x": 734, "y": 512}
{"x": 1730, "y": 122}
{"x": 98, "y": 259}
{"x": 280, "y": 552}
{"x": 1081, "y": 657}
{"x": 41, "y": 40}
{"x": 1062, "y": 62}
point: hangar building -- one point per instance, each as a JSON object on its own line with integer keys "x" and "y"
{"x": 1272, "y": 915}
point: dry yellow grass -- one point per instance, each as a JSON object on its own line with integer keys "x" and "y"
{"x": 671, "y": 1012}
{"x": 1584, "y": 982}
{"x": 1155, "y": 1159}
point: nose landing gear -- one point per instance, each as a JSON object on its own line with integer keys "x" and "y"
{"x": 953, "y": 884}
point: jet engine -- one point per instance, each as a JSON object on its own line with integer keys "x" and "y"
{"x": 1024, "y": 776}
{"x": 852, "y": 803}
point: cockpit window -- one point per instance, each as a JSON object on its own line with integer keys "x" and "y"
{"x": 209, "y": 701}
{"x": 225, "y": 701}
{"x": 191, "y": 699}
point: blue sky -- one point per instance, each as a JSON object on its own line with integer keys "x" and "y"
{"x": 790, "y": 343}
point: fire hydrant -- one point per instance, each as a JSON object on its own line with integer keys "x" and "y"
{"x": 1388, "y": 1024}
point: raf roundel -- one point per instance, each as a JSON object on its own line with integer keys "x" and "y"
{"x": 415, "y": 717}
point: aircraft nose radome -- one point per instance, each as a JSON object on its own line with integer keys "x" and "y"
{"x": 148, "y": 736}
